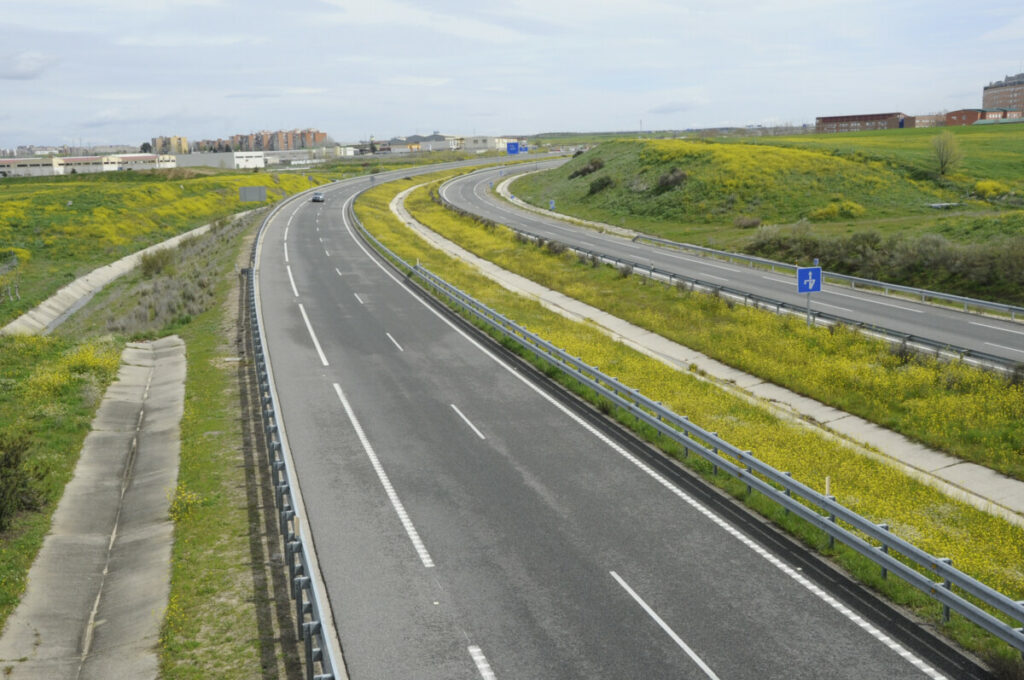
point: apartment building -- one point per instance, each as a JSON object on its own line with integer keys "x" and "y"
{"x": 1007, "y": 93}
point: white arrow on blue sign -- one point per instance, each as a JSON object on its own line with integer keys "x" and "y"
{"x": 808, "y": 279}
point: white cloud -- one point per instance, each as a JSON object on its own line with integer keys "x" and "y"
{"x": 1013, "y": 29}
{"x": 393, "y": 13}
{"x": 417, "y": 81}
{"x": 189, "y": 40}
{"x": 25, "y": 65}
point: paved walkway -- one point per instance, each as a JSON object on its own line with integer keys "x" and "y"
{"x": 975, "y": 484}
{"x": 98, "y": 590}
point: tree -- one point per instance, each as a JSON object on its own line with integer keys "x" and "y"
{"x": 947, "y": 151}
{"x": 146, "y": 147}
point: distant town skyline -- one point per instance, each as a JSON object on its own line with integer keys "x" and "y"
{"x": 207, "y": 69}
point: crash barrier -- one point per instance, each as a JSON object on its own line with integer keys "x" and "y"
{"x": 854, "y": 281}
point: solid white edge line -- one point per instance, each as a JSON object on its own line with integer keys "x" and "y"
{"x": 672, "y": 488}
{"x": 316, "y": 343}
{"x": 996, "y": 328}
{"x": 467, "y": 421}
{"x": 392, "y": 339}
{"x": 665, "y": 627}
{"x": 481, "y": 663}
{"x": 292, "y": 280}
{"x": 396, "y": 503}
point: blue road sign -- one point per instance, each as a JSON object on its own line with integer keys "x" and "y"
{"x": 808, "y": 279}
{"x": 512, "y": 147}
{"x": 551, "y": 204}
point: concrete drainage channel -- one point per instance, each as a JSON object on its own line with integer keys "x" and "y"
{"x": 98, "y": 589}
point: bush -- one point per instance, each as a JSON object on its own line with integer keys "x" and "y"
{"x": 836, "y": 210}
{"x": 600, "y": 184}
{"x": 592, "y": 166}
{"x": 14, "y": 487}
{"x": 671, "y": 179}
{"x": 158, "y": 262}
{"x": 746, "y": 222}
{"x": 990, "y": 188}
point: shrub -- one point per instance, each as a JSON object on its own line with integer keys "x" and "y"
{"x": 990, "y": 188}
{"x": 600, "y": 184}
{"x": 837, "y": 209}
{"x": 747, "y": 222}
{"x": 14, "y": 487}
{"x": 158, "y": 262}
{"x": 671, "y": 179}
{"x": 592, "y": 166}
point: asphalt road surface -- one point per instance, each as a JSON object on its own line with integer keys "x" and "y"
{"x": 470, "y": 523}
{"x": 1002, "y": 338}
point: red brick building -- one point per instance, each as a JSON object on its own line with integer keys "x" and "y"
{"x": 972, "y": 116}
{"x": 862, "y": 122}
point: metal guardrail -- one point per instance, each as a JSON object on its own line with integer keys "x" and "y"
{"x": 923, "y": 293}
{"x": 321, "y": 658}
{"x": 873, "y": 541}
{"x": 762, "y": 302}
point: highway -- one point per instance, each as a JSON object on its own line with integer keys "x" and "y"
{"x": 471, "y": 521}
{"x": 986, "y": 334}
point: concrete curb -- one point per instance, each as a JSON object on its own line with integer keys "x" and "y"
{"x": 981, "y": 487}
{"x": 99, "y": 587}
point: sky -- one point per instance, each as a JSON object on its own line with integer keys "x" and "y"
{"x": 92, "y": 72}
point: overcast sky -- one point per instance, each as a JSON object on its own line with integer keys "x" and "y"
{"x": 123, "y": 71}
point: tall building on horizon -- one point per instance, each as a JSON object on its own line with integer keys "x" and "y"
{"x": 1007, "y": 93}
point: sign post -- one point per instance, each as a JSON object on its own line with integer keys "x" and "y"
{"x": 808, "y": 280}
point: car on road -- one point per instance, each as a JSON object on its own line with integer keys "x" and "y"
{"x": 318, "y": 197}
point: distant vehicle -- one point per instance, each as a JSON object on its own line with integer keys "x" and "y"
{"x": 318, "y": 197}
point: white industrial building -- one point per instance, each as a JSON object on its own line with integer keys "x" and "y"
{"x": 228, "y": 160}
{"x": 73, "y": 165}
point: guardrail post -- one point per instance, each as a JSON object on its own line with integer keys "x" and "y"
{"x": 885, "y": 549}
{"x": 948, "y": 586}
{"x": 788, "y": 493}
{"x": 831, "y": 518}
{"x": 714, "y": 450}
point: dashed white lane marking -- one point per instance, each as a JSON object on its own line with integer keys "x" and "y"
{"x": 468, "y": 422}
{"x": 394, "y": 341}
{"x": 286, "y": 230}
{"x": 481, "y": 663}
{"x": 286, "y": 252}
{"x": 403, "y": 516}
{"x": 292, "y": 280}
{"x": 825, "y": 304}
{"x": 996, "y": 328}
{"x": 665, "y": 627}
{"x": 1011, "y": 349}
{"x": 712, "y": 276}
{"x": 356, "y": 296}
{"x": 877, "y": 302}
{"x": 316, "y": 343}
{"x": 338, "y": 270}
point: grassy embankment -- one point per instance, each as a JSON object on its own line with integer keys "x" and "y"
{"x": 985, "y": 546}
{"x": 859, "y": 203}
{"x": 64, "y": 227}
{"x": 221, "y": 621}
